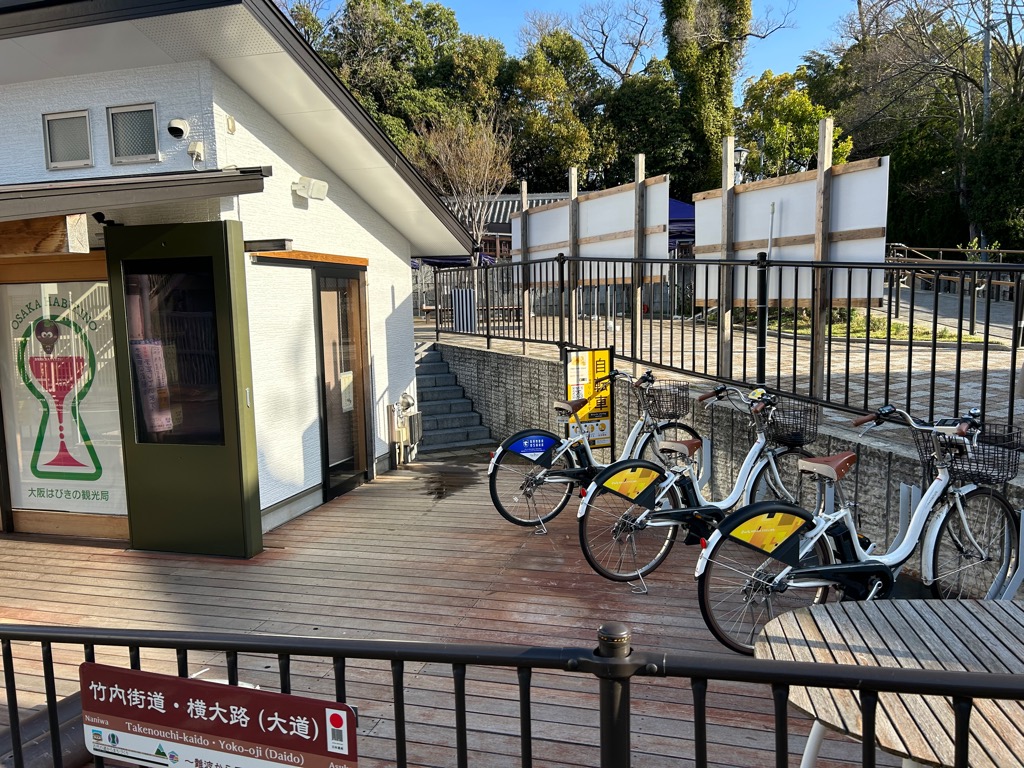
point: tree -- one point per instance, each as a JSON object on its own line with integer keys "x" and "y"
{"x": 552, "y": 98}
{"x": 618, "y": 35}
{"x": 997, "y": 186}
{"x": 643, "y": 117}
{"x": 467, "y": 161}
{"x": 387, "y": 53}
{"x": 779, "y": 125}
{"x": 914, "y": 68}
{"x": 705, "y": 43}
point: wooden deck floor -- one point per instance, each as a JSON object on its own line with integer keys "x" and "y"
{"x": 419, "y": 554}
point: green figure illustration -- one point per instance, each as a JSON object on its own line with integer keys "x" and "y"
{"x": 63, "y": 449}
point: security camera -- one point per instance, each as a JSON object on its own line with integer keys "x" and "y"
{"x": 178, "y": 129}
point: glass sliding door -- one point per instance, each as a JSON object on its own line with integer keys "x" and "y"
{"x": 344, "y": 370}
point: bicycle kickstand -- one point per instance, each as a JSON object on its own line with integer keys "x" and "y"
{"x": 638, "y": 589}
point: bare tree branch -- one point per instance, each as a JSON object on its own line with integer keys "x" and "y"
{"x": 469, "y": 163}
{"x": 617, "y": 33}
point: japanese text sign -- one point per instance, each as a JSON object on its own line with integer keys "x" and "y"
{"x": 585, "y": 370}
{"x": 161, "y": 720}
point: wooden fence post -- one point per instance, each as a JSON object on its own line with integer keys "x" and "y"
{"x": 821, "y": 295}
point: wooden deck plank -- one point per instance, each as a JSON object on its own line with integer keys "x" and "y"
{"x": 391, "y": 561}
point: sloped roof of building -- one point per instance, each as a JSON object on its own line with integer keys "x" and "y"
{"x": 255, "y": 45}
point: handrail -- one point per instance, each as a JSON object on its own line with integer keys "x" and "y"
{"x": 613, "y": 663}
{"x": 965, "y": 317}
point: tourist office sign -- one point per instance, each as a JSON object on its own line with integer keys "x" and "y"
{"x": 161, "y": 720}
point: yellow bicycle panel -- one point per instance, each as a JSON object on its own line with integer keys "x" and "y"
{"x": 767, "y": 532}
{"x": 632, "y": 482}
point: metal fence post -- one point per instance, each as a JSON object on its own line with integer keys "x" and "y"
{"x": 487, "y": 304}
{"x": 561, "y": 306}
{"x": 613, "y": 643}
{"x": 762, "y": 316}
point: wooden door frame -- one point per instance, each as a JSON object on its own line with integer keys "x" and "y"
{"x": 358, "y": 273}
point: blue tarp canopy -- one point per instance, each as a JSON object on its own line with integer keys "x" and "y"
{"x": 681, "y": 226}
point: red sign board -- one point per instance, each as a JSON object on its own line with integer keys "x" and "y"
{"x": 161, "y": 720}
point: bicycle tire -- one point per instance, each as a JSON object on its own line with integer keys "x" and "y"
{"x": 960, "y": 569}
{"x": 518, "y": 486}
{"x": 803, "y": 489}
{"x": 670, "y": 430}
{"x": 612, "y": 543}
{"x": 731, "y": 589}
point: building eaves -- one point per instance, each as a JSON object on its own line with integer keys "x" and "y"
{"x": 20, "y": 19}
{"x": 24, "y": 201}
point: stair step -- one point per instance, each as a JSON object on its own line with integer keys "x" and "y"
{"x": 457, "y": 435}
{"x": 437, "y": 407}
{"x": 433, "y": 356}
{"x": 451, "y": 420}
{"x": 431, "y": 369}
{"x": 437, "y": 380}
{"x": 485, "y": 446}
{"x": 428, "y": 394}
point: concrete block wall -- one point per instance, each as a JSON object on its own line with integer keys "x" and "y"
{"x": 513, "y": 392}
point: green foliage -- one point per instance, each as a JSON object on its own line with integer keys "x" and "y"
{"x": 643, "y": 116}
{"x": 550, "y": 110}
{"x": 779, "y": 125}
{"x": 705, "y": 40}
{"x": 996, "y": 179}
{"x": 852, "y": 323}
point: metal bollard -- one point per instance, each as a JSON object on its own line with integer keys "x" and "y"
{"x": 613, "y": 643}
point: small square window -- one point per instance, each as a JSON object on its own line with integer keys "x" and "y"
{"x": 132, "y": 134}
{"x": 68, "y": 140}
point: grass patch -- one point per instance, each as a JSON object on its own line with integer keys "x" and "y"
{"x": 854, "y": 323}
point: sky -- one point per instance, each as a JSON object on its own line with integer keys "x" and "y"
{"x": 813, "y": 26}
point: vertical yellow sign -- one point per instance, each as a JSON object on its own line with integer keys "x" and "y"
{"x": 585, "y": 371}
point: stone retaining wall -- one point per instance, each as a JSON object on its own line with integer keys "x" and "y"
{"x": 513, "y": 392}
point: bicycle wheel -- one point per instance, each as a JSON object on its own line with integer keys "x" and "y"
{"x": 975, "y": 551}
{"x": 735, "y": 593}
{"x": 670, "y": 430}
{"x": 524, "y": 492}
{"x": 796, "y": 487}
{"x": 615, "y": 544}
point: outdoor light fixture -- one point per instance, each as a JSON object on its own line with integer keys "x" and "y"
{"x": 313, "y": 189}
{"x": 739, "y": 157}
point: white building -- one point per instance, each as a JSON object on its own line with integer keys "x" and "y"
{"x": 220, "y": 353}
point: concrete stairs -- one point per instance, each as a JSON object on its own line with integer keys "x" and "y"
{"x": 449, "y": 421}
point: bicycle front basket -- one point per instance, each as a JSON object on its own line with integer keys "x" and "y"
{"x": 668, "y": 400}
{"x": 793, "y": 423}
{"x": 993, "y": 459}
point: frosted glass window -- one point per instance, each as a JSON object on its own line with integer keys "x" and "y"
{"x": 68, "y": 142}
{"x": 132, "y": 134}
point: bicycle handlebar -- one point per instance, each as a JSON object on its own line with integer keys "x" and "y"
{"x": 964, "y": 425}
{"x": 716, "y": 392}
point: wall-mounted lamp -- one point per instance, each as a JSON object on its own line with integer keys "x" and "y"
{"x": 314, "y": 189}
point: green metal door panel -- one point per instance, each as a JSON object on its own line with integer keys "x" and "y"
{"x": 181, "y": 328}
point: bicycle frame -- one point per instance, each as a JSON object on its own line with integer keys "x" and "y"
{"x": 932, "y": 505}
{"x": 758, "y": 455}
{"x": 579, "y": 444}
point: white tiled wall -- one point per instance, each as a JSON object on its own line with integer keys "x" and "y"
{"x": 343, "y": 224}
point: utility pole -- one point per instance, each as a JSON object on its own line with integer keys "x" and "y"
{"x": 986, "y": 90}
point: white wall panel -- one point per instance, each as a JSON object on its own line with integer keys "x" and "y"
{"x": 285, "y": 375}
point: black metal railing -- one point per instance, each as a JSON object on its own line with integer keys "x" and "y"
{"x": 614, "y": 663}
{"x": 933, "y": 336}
